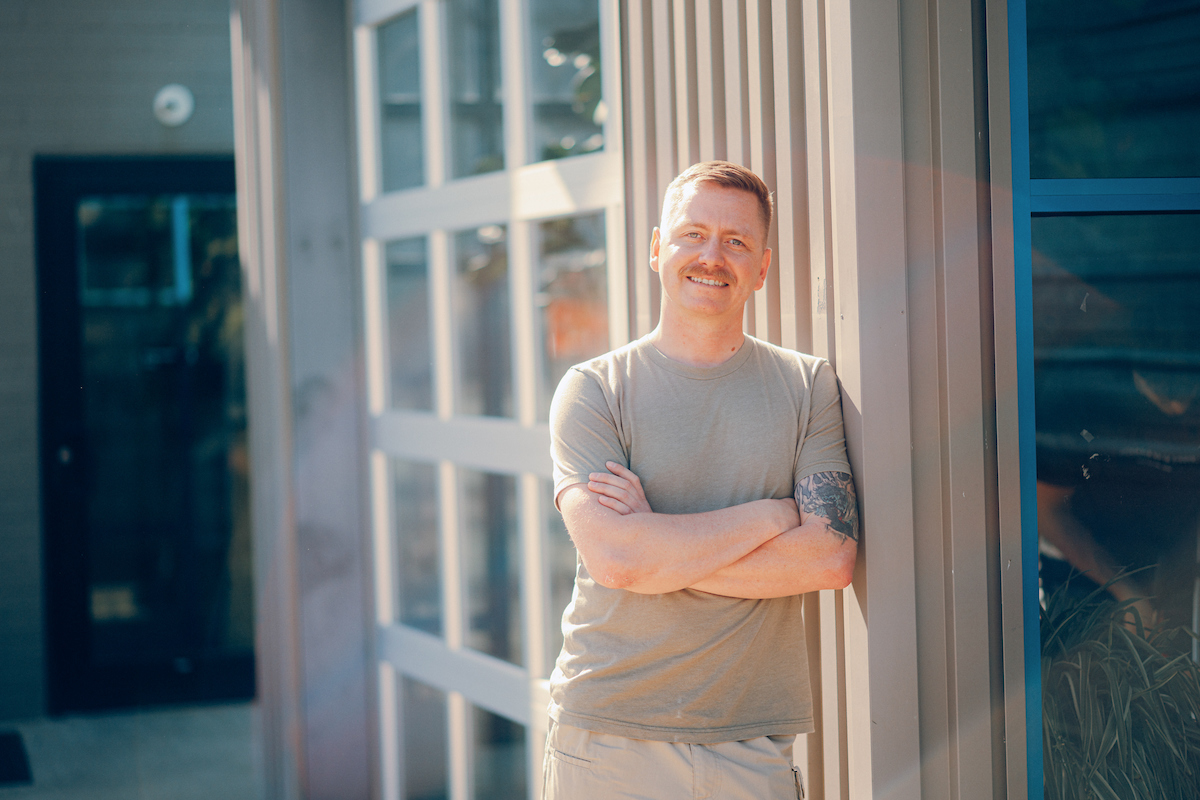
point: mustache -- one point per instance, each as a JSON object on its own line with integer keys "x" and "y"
{"x": 719, "y": 274}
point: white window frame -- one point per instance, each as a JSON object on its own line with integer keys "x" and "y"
{"x": 519, "y": 197}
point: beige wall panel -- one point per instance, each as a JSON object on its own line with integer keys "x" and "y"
{"x": 259, "y": 220}
{"x": 1008, "y": 467}
{"x": 862, "y": 120}
{"x": 710, "y": 80}
{"x": 872, "y": 348}
{"x": 687, "y": 127}
{"x": 640, "y": 164}
{"x": 737, "y": 114}
{"x": 791, "y": 192}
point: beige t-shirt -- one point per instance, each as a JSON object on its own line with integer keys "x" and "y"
{"x": 689, "y": 666}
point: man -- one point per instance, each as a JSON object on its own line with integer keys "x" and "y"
{"x": 676, "y": 460}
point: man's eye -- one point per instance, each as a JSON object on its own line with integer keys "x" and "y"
{"x": 737, "y": 242}
{"x": 692, "y": 235}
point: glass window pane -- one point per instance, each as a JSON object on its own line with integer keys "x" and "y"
{"x": 568, "y": 109}
{"x": 476, "y": 111}
{"x": 1113, "y": 91}
{"x": 561, "y": 563}
{"x": 481, "y": 315}
{"x": 418, "y": 574}
{"x": 499, "y": 757}
{"x": 409, "y": 346}
{"x": 166, "y": 499}
{"x": 1117, "y": 383}
{"x": 491, "y": 545}
{"x": 400, "y": 140}
{"x": 572, "y": 295}
{"x": 423, "y": 714}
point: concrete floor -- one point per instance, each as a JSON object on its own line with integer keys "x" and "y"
{"x": 165, "y": 754}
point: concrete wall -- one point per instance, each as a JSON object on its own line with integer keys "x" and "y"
{"x": 76, "y": 76}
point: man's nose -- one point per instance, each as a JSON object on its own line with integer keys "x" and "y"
{"x": 713, "y": 252}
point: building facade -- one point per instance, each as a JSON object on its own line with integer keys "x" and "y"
{"x": 446, "y": 202}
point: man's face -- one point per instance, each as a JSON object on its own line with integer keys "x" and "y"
{"x": 710, "y": 252}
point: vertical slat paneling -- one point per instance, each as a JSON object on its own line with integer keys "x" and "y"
{"x": 816, "y": 130}
{"x": 760, "y": 66}
{"x": 966, "y": 472}
{"x": 791, "y": 182}
{"x": 687, "y": 128}
{"x": 664, "y": 96}
{"x": 1008, "y": 460}
{"x": 877, "y": 268}
{"x": 710, "y": 81}
{"x": 737, "y": 114}
{"x": 641, "y": 163}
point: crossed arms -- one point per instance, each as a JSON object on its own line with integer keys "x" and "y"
{"x": 765, "y": 548}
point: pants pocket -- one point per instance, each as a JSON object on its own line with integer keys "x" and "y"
{"x": 567, "y": 758}
{"x": 560, "y": 744}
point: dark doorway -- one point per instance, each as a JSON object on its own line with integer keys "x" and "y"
{"x": 146, "y": 536}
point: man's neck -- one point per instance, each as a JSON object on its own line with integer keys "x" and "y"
{"x": 697, "y": 343}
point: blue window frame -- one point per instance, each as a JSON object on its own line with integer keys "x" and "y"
{"x": 1172, "y": 186}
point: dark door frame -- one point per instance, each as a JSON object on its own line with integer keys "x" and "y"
{"x": 59, "y": 183}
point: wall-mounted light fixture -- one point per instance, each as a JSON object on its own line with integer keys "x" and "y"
{"x": 173, "y": 105}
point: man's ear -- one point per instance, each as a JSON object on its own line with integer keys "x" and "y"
{"x": 762, "y": 272}
{"x": 654, "y": 241}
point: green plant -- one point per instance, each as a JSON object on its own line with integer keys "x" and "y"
{"x": 1120, "y": 712}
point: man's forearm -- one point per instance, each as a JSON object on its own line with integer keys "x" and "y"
{"x": 804, "y": 559}
{"x": 653, "y": 553}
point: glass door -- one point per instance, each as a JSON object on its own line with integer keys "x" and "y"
{"x": 144, "y": 433}
{"x": 493, "y": 247}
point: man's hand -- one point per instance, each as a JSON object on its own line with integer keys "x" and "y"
{"x": 619, "y": 489}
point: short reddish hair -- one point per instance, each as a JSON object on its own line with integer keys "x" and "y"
{"x": 726, "y": 174}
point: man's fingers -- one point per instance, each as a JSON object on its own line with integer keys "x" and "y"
{"x": 618, "y": 469}
{"x": 610, "y": 490}
{"x": 604, "y": 477}
{"x": 614, "y": 504}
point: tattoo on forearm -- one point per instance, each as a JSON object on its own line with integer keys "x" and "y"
{"x": 831, "y": 495}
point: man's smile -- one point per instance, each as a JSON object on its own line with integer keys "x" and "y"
{"x": 706, "y": 281}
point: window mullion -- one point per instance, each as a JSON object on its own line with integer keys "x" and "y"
{"x": 435, "y": 108}
{"x": 513, "y": 67}
{"x": 366, "y": 66}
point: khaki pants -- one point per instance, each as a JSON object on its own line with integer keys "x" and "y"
{"x": 582, "y": 765}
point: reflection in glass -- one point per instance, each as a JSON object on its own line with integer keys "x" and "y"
{"x": 167, "y": 495}
{"x": 400, "y": 141}
{"x": 476, "y": 111}
{"x": 573, "y": 297}
{"x": 409, "y": 346}
{"x": 491, "y": 561}
{"x": 425, "y": 764}
{"x": 418, "y": 576}
{"x": 568, "y": 109}
{"x": 1117, "y": 386}
{"x": 1117, "y": 382}
{"x": 481, "y": 315}
{"x": 1113, "y": 92}
{"x": 561, "y": 563}
{"x": 499, "y": 757}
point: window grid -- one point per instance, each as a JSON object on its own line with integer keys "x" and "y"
{"x": 517, "y": 197}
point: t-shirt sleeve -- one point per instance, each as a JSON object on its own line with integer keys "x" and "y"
{"x": 584, "y": 433}
{"x": 823, "y": 446}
